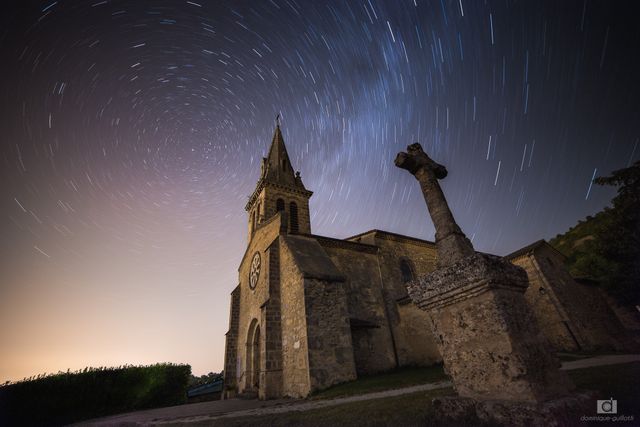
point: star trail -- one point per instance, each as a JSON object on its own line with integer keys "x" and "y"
{"x": 132, "y": 133}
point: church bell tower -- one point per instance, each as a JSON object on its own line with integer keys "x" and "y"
{"x": 279, "y": 189}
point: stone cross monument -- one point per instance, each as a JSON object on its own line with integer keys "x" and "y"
{"x": 501, "y": 365}
{"x": 451, "y": 243}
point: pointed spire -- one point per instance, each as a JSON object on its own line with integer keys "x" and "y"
{"x": 278, "y": 167}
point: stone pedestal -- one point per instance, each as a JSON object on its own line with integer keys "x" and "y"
{"x": 501, "y": 365}
{"x": 490, "y": 343}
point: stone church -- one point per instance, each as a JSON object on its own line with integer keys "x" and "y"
{"x": 312, "y": 311}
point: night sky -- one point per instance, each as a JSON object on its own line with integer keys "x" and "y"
{"x": 132, "y": 133}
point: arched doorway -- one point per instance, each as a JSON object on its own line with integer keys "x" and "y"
{"x": 253, "y": 356}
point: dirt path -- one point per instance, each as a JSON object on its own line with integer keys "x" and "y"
{"x": 199, "y": 412}
{"x": 614, "y": 359}
{"x": 184, "y": 412}
{"x": 308, "y": 405}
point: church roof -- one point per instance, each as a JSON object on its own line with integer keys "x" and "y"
{"x": 388, "y": 234}
{"x": 525, "y": 250}
{"x": 277, "y": 169}
{"x": 312, "y": 261}
{"x": 275, "y": 166}
{"x": 531, "y": 248}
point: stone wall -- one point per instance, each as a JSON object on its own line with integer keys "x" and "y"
{"x": 328, "y": 308}
{"x": 316, "y": 345}
{"x": 256, "y": 304}
{"x": 415, "y": 344}
{"x": 414, "y": 340}
{"x": 271, "y": 360}
{"x": 331, "y": 355}
{"x": 373, "y": 345}
{"x": 295, "y": 355}
{"x": 268, "y": 199}
{"x": 548, "y": 311}
{"x": 591, "y": 315}
{"x": 573, "y": 316}
{"x": 231, "y": 345}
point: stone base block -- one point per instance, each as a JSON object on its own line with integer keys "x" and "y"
{"x": 564, "y": 411}
{"x": 486, "y": 331}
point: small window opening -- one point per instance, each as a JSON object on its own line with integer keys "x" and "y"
{"x": 293, "y": 212}
{"x": 253, "y": 221}
{"x": 406, "y": 271}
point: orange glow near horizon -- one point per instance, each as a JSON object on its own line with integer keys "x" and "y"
{"x": 109, "y": 310}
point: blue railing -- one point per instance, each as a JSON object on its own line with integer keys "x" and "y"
{"x": 213, "y": 387}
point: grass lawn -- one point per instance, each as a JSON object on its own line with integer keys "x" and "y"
{"x": 399, "y": 378}
{"x": 408, "y": 410}
{"x": 617, "y": 381}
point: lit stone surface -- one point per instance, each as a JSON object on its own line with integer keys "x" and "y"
{"x": 502, "y": 367}
{"x": 323, "y": 310}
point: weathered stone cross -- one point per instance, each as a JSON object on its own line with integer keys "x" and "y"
{"x": 451, "y": 243}
{"x": 498, "y": 360}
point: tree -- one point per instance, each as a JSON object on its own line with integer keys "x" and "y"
{"x": 204, "y": 379}
{"x": 617, "y": 240}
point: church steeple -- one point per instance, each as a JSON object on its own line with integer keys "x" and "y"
{"x": 279, "y": 189}
{"x": 277, "y": 166}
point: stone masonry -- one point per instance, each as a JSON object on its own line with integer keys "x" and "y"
{"x": 487, "y": 334}
{"x": 312, "y": 311}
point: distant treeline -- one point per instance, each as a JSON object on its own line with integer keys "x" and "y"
{"x": 606, "y": 247}
{"x": 205, "y": 379}
{"x": 67, "y": 397}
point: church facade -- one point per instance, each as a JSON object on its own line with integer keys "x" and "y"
{"x": 313, "y": 311}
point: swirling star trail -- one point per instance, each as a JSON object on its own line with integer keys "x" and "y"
{"x": 132, "y": 133}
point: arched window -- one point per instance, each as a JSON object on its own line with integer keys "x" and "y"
{"x": 406, "y": 270}
{"x": 258, "y": 214}
{"x": 293, "y": 212}
{"x": 279, "y": 205}
{"x": 284, "y": 165}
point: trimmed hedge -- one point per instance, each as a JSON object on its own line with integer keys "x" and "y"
{"x": 93, "y": 392}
